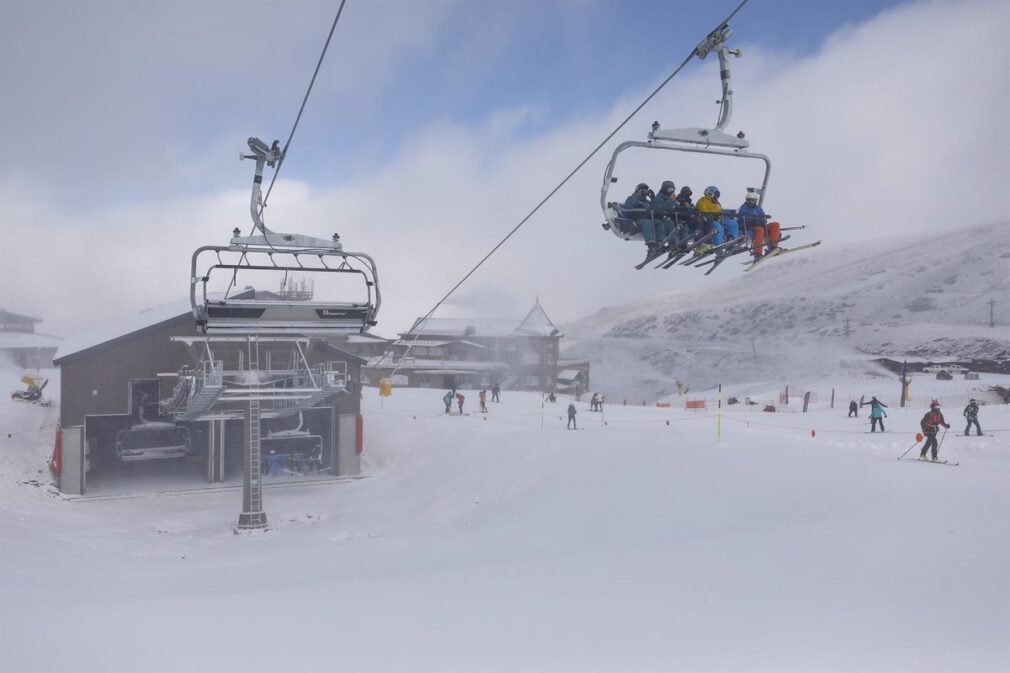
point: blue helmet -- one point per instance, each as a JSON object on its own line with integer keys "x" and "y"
{"x": 712, "y": 192}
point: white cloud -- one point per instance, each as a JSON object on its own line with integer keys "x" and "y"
{"x": 888, "y": 129}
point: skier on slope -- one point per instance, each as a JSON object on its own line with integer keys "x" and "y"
{"x": 483, "y": 401}
{"x": 874, "y": 404}
{"x": 447, "y": 398}
{"x": 571, "y": 416}
{"x": 877, "y": 415}
{"x": 459, "y": 400}
{"x": 594, "y": 401}
{"x": 641, "y": 200}
{"x": 971, "y": 415}
{"x": 930, "y": 424}
{"x": 853, "y": 409}
{"x": 496, "y": 393}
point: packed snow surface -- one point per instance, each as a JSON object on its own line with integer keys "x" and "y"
{"x": 504, "y": 542}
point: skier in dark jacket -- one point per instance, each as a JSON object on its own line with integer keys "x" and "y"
{"x": 684, "y": 197}
{"x": 571, "y": 416}
{"x": 496, "y": 393}
{"x": 930, "y": 424}
{"x": 641, "y": 200}
{"x": 853, "y": 409}
{"x": 971, "y": 414}
{"x": 671, "y": 220}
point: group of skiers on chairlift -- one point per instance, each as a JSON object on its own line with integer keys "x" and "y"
{"x": 930, "y": 423}
{"x": 670, "y": 218}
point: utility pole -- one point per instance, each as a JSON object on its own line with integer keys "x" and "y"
{"x": 847, "y": 331}
{"x": 992, "y": 323}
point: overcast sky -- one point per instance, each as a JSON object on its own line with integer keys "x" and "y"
{"x": 435, "y": 126}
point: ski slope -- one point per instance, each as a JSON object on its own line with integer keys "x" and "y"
{"x": 636, "y": 543}
{"x": 925, "y": 300}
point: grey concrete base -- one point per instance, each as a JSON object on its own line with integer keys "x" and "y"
{"x": 74, "y": 465}
{"x": 348, "y": 460}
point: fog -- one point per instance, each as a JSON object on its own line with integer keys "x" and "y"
{"x": 890, "y": 128}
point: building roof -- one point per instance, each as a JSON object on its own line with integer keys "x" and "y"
{"x": 365, "y": 338}
{"x": 536, "y": 323}
{"x": 28, "y": 340}
{"x": 11, "y": 317}
{"x": 126, "y": 324}
{"x": 132, "y": 323}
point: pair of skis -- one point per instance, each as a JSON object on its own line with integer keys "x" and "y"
{"x": 674, "y": 252}
{"x": 748, "y": 266}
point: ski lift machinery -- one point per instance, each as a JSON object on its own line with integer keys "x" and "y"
{"x": 240, "y": 311}
{"x": 715, "y": 141}
{"x": 247, "y": 318}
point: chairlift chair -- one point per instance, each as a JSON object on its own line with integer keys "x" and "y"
{"x": 714, "y": 141}
{"x": 251, "y": 311}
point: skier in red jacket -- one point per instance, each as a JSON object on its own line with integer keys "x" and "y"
{"x": 931, "y": 423}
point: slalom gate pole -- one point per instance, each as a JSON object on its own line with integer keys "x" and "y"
{"x": 542, "y": 402}
{"x": 718, "y": 417}
{"x": 918, "y": 438}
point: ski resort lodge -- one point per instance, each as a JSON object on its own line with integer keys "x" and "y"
{"x": 477, "y": 353}
{"x": 119, "y": 384}
{"x": 22, "y": 345}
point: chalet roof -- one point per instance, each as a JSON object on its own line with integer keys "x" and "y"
{"x": 536, "y": 323}
{"x": 11, "y": 317}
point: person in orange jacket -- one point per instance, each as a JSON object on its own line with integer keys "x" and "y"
{"x": 459, "y": 401}
{"x": 930, "y": 424}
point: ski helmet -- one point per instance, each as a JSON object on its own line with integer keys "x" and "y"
{"x": 712, "y": 192}
{"x": 935, "y": 404}
{"x": 668, "y": 186}
{"x": 686, "y": 191}
{"x": 641, "y": 186}
{"x": 751, "y": 196}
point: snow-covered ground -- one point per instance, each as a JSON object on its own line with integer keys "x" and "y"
{"x": 510, "y": 543}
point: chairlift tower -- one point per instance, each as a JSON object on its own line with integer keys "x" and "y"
{"x": 242, "y": 320}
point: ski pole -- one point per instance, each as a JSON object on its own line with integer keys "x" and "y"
{"x": 918, "y": 438}
{"x": 941, "y": 441}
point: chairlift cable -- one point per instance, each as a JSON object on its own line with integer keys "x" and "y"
{"x": 554, "y": 191}
{"x": 294, "y": 127}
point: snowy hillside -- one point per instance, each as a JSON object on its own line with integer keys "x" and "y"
{"x": 503, "y": 542}
{"x": 927, "y": 300}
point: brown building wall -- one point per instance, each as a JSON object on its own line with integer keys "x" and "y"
{"x": 107, "y": 369}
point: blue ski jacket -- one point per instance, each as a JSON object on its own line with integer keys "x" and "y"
{"x": 878, "y": 412}
{"x": 664, "y": 204}
{"x": 750, "y": 216}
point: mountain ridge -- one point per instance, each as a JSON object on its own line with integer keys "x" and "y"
{"x": 806, "y": 314}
